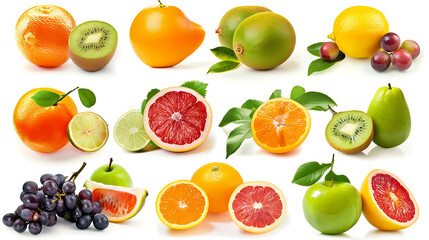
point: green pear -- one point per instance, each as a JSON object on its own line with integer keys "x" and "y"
{"x": 391, "y": 117}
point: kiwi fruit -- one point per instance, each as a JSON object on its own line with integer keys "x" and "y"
{"x": 92, "y": 45}
{"x": 350, "y": 131}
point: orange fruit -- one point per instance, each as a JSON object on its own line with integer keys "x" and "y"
{"x": 386, "y": 202}
{"x": 182, "y": 204}
{"x": 218, "y": 180}
{"x": 42, "y": 34}
{"x": 257, "y": 207}
{"x": 280, "y": 125}
{"x": 177, "y": 119}
{"x": 162, "y": 36}
{"x": 43, "y": 129}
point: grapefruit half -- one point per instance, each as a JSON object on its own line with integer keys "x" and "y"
{"x": 386, "y": 202}
{"x": 118, "y": 203}
{"x": 177, "y": 119}
{"x": 257, "y": 207}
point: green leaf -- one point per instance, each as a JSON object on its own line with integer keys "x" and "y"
{"x": 276, "y": 94}
{"x": 149, "y": 95}
{"x": 315, "y": 101}
{"x": 225, "y": 54}
{"x": 236, "y": 138}
{"x": 198, "y": 86}
{"x": 315, "y": 48}
{"x": 251, "y": 103}
{"x": 87, "y": 97}
{"x": 223, "y": 66}
{"x": 45, "y": 98}
{"x": 296, "y": 92}
{"x": 236, "y": 115}
{"x": 319, "y": 65}
{"x": 309, "y": 173}
{"x": 337, "y": 178}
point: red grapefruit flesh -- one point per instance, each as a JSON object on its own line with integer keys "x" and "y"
{"x": 386, "y": 202}
{"x": 177, "y": 119}
{"x": 257, "y": 207}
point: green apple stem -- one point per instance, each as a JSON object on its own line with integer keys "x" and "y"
{"x": 332, "y": 169}
{"x": 110, "y": 165}
{"x": 76, "y": 174}
{"x": 390, "y": 87}
{"x": 332, "y": 182}
{"x": 332, "y": 110}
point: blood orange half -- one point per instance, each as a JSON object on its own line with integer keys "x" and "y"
{"x": 386, "y": 202}
{"x": 257, "y": 207}
{"x": 118, "y": 203}
{"x": 177, "y": 119}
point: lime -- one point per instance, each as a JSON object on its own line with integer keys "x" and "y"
{"x": 87, "y": 131}
{"x": 129, "y": 132}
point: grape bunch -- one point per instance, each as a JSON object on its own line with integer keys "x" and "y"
{"x": 56, "y": 197}
{"x": 400, "y": 55}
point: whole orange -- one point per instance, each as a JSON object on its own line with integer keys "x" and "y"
{"x": 218, "y": 180}
{"x": 42, "y": 34}
{"x": 162, "y": 36}
{"x": 43, "y": 129}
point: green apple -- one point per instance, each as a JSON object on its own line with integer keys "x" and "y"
{"x": 112, "y": 174}
{"x": 332, "y": 209}
{"x": 391, "y": 117}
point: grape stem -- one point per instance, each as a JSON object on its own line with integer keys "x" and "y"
{"x": 76, "y": 174}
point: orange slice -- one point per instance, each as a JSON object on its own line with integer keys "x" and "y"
{"x": 182, "y": 205}
{"x": 386, "y": 202}
{"x": 280, "y": 125}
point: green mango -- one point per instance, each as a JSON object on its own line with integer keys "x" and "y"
{"x": 264, "y": 40}
{"x": 391, "y": 117}
{"x": 232, "y": 19}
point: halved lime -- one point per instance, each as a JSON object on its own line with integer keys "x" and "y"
{"x": 87, "y": 131}
{"x": 129, "y": 132}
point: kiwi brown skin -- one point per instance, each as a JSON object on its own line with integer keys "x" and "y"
{"x": 91, "y": 65}
{"x": 357, "y": 149}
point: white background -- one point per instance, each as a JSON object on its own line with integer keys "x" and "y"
{"x": 123, "y": 84}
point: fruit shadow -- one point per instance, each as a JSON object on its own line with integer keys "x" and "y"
{"x": 207, "y": 145}
{"x": 66, "y": 153}
{"x": 218, "y": 217}
{"x": 203, "y": 228}
{"x": 378, "y": 152}
{"x": 275, "y": 232}
{"x": 36, "y": 68}
{"x": 383, "y": 234}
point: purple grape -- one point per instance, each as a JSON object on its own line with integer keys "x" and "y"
{"x": 27, "y": 214}
{"x": 86, "y": 206}
{"x": 60, "y": 206}
{"x": 50, "y": 204}
{"x": 96, "y": 207}
{"x": 52, "y": 219}
{"x": 76, "y": 213}
{"x": 30, "y": 201}
{"x": 50, "y": 188}
{"x": 22, "y": 195}
{"x": 401, "y": 59}
{"x": 329, "y": 51}
{"x": 84, "y": 222}
{"x": 9, "y": 218}
{"x": 19, "y": 209}
{"x": 100, "y": 221}
{"x": 40, "y": 196}
{"x": 19, "y": 225}
{"x": 85, "y": 194}
{"x": 44, "y": 218}
{"x": 69, "y": 187}
{"x": 47, "y": 176}
{"x": 390, "y": 42}
{"x": 61, "y": 180}
{"x": 70, "y": 201}
{"x": 35, "y": 228}
{"x": 30, "y": 187}
{"x": 412, "y": 47}
{"x": 380, "y": 61}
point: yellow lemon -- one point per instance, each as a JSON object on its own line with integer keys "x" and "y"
{"x": 358, "y": 31}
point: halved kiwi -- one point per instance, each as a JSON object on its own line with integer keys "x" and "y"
{"x": 350, "y": 131}
{"x": 92, "y": 45}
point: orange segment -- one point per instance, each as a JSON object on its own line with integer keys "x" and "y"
{"x": 280, "y": 125}
{"x": 181, "y": 205}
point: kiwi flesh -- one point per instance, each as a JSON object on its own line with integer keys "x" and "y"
{"x": 92, "y": 45}
{"x": 350, "y": 131}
